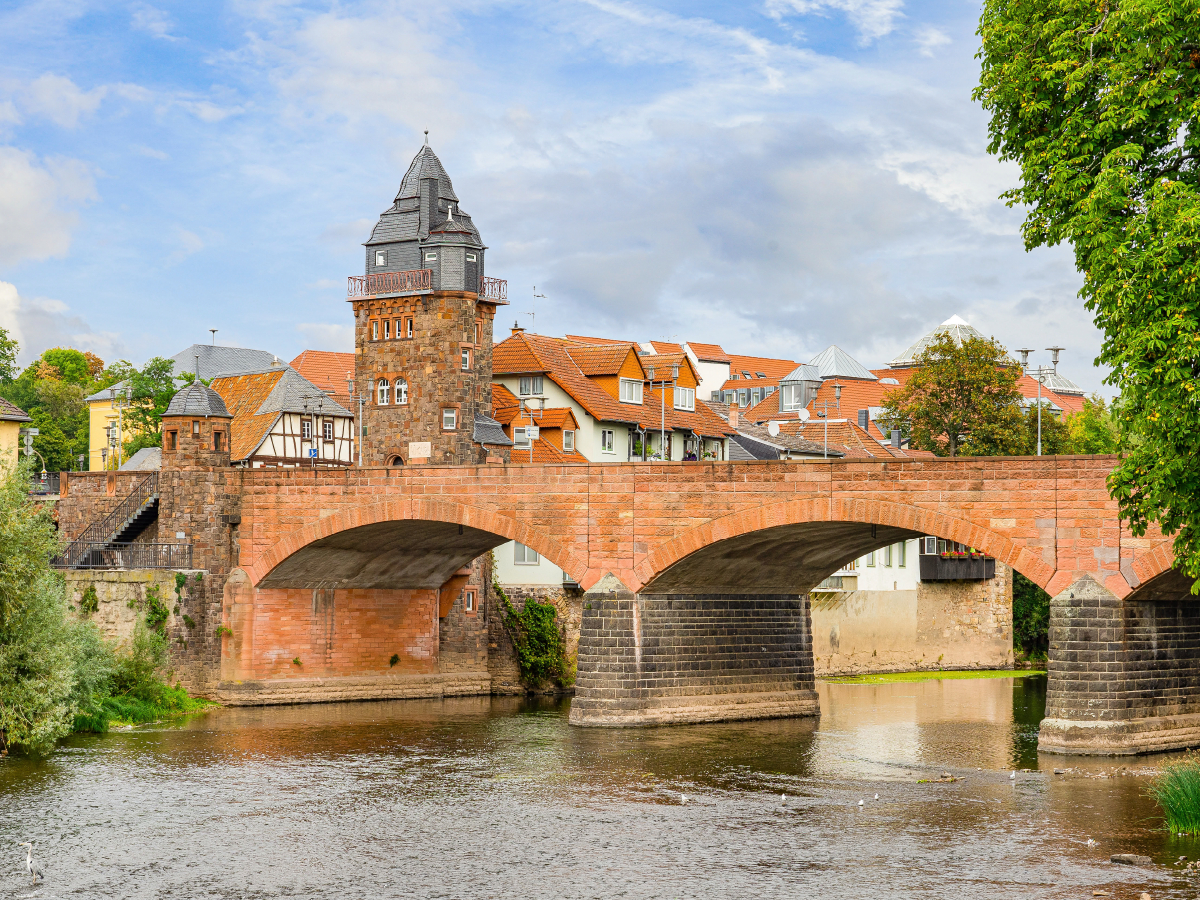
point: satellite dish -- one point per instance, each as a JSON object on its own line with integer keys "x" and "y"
{"x": 804, "y": 415}
{"x": 773, "y": 429}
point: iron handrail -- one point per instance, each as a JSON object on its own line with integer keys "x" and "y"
{"x": 389, "y": 283}
{"x": 107, "y": 555}
{"x": 493, "y": 288}
{"x": 104, "y": 530}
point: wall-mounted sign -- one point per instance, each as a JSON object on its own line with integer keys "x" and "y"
{"x": 419, "y": 449}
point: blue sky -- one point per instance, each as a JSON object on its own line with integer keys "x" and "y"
{"x": 774, "y": 176}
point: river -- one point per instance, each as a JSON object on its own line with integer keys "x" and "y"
{"x": 498, "y": 798}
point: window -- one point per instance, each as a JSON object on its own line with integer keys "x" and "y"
{"x": 792, "y": 397}
{"x": 755, "y": 396}
{"x": 384, "y": 390}
{"x": 930, "y": 546}
{"x": 374, "y": 330}
{"x": 521, "y": 437}
{"x": 744, "y": 397}
{"x": 466, "y": 359}
{"x": 387, "y": 329}
{"x": 568, "y": 441}
{"x": 606, "y": 440}
{"x": 531, "y": 386}
{"x": 760, "y": 374}
{"x": 401, "y": 392}
{"x": 398, "y": 331}
{"x": 903, "y": 561}
{"x": 631, "y": 391}
{"x": 306, "y": 428}
{"x": 470, "y": 257}
{"x": 218, "y": 440}
{"x": 469, "y": 600}
{"x": 476, "y": 334}
{"x": 430, "y": 257}
{"x": 685, "y": 398}
{"x": 746, "y": 375}
{"x": 195, "y": 428}
{"x": 327, "y": 430}
{"x": 172, "y": 440}
{"x": 380, "y": 257}
{"x": 449, "y": 419}
{"x": 871, "y": 558}
{"x": 887, "y": 556}
{"x": 523, "y": 556}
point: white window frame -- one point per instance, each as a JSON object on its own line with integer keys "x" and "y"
{"x": 685, "y": 398}
{"x": 306, "y": 429}
{"x": 375, "y": 330}
{"x": 400, "y": 392}
{"x": 525, "y": 556}
{"x": 430, "y": 257}
{"x": 521, "y": 438}
{"x": 408, "y": 327}
{"x": 871, "y": 559}
{"x": 451, "y": 414}
{"x": 380, "y": 258}
{"x": 327, "y": 429}
{"x": 530, "y": 386}
{"x": 568, "y": 440}
{"x": 466, "y": 359}
{"x": 387, "y": 329}
{"x": 469, "y": 600}
{"x": 470, "y": 257}
{"x": 607, "y": 440}
{"x": 382, "y": 390}
{"x": 631, "y": 391}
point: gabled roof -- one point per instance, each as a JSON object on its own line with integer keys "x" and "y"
{"x": 327, "y": 370}
{"x": 834, "y": 362}
{"x": 505, "y": 405}
{"x": 666, "y": 347}
{"x": 11, "y": 413}
{"x": 488, "y": 431}
{"x": 514, "y": 356}
{"x": 765, "y": 409}
{"x": 407, "y": 220}
{"x": 708, "y": 352}
{"x": 598, "y": 341}
{"x": 213, "y": 361}
{"x": 770, "y": 368}
{"x": 148, "y": 459}
{"x": 606, "y": 360}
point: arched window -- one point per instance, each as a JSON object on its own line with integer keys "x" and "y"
{"x": 383, "y": 392}
{"x": 401, "y": 391}
{"x": 395, "y": 461}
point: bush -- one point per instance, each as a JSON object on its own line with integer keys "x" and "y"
{"x": 541, "y": 650}
{"x": 1031, "y": 616}
{"x": 136, "y": 674}
{"x": 1176, "y": 789}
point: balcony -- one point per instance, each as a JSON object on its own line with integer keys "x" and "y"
{"x": 415, "y": 281}
{"x": 957, "y": 568}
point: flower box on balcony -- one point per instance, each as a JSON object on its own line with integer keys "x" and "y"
{"x": 955, "y": 567}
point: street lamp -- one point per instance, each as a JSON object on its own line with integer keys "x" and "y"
{"x": 361, "y": 398}
{"x": 662, "y": 433}
{"x": 532, "y": 432}
{"x": 824, "y": 413}
{"x": 1040, "y": 373}
{"x": 120, "y": 400}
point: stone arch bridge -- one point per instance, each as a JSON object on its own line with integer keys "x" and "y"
{"x": 696, "y": 577}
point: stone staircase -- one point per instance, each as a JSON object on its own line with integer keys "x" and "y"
{"x": 137, "y": 510}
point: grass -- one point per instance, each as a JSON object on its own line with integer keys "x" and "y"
{"x": 895, "y": 677}
{"x": 1176, "y": 789}
{"x": 124, "y": 711}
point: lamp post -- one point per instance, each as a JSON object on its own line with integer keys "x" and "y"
{"x": 824, "y": 413}
{"x": 119, "y": 402}
{"x": 361, "y": 398}
{"x": 1040, "y": 374}
{"x": 662, "y": 426}
{"x": 532, "y": 431}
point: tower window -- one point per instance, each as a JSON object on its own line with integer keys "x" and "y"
{"x": 380, "y": 257}
{"x": 449, "y": 419}
{"x": 469, "y": 600}
{"x": 430, "y": 257}
{"x": 383, "y": 391}
{"x": 401, "y": 392}
{"x": 399, "y": 332}
{"x": 466, "y": 359}
{"x": 387, "y": 329}
{"x": 172, "y": 439}
{"x": 374, "y": 330}
{"x": 218, "y": 440}
{"x": 195, "y": 428}
{"x": 470, "y": 257}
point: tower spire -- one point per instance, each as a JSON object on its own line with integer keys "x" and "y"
{"x": 426, "y": 137}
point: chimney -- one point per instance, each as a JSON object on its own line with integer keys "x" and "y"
{"x": 733, "y": 414}
{"x": 864, "y": 419}
{"x": 517, "y": 329}
{"x": 896, "y": 438}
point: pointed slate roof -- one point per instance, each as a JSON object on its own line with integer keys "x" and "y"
{"x": 406, "y": 220}
{"x": 834, "y": 362}
{"x": 197, "y": 399}
{"x": 425, "y": 165}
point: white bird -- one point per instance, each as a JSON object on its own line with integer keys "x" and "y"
{"x": 31, "y": 867}
{"x": 1012, "y": 776}
{"x": 876, "y": 796}
{"x": 1091, "y": 843}
{"x": 783, "y": 798}
{"x": 860, "y": 803}
{"x": 683, "y": 798}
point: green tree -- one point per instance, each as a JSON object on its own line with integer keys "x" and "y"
{"x": 1094, "y": 429}
{"x": 1056, "y": 434}
{"x": 962, "y": 398}
{"x": 1031, "y": 615}
{"x": 1099, "y": 104}
{"x": 153, "y": 386}
{"x": 8, "y": 356}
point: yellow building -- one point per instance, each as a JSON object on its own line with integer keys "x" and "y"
{"x": 102, "y": 414}
{"x": 12, "y": 419}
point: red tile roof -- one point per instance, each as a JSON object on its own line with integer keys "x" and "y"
{"x": 666, "y": 347}
{"x": 12, "y": 413}
{"x": 708, "y": 352}
{"x": 605, "y": 360}
{"x": 597, "y": 341}
{"x": 327, "y": 370}
{"x": 244, "y": 395}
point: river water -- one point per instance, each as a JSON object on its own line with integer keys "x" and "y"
{"x": 491, "y": 798}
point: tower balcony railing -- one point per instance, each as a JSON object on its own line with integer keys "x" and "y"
{"x": 411, "y": 282}
{"x": 493, "y": 288}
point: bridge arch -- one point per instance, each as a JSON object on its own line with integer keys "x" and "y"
{"x": 408, "y": 543}
{"x": 774, "y": 548}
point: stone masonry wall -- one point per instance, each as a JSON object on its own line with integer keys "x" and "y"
{"x": 87, "y": 497}
{"x": 462, "y": 635}
{"x": 502, "y": 656}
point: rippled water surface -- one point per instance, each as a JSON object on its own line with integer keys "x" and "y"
{"x": 481, "y": 798}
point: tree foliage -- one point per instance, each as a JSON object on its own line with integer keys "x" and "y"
{"x": 1094, "y": 429}
{"x": 1031, "y": 615}
{"x": 1099, "y": 104}
{"x": 8, "y": 356}
{"x": 962, "y": 398}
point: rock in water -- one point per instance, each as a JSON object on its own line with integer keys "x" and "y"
{"x": 1130, "y": 859}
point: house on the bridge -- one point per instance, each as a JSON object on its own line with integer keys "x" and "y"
{"x": 332, "y": 372}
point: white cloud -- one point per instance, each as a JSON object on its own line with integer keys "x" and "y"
{"x": 40, "y": 323}
{"x": 153, "y": 21}
{"x": 929, "y": 39}
{"x": 323, "y": 336}
{"x": 60, "y": 100}
{"x": 37, "y": 203}
{"x": 872, "y": 18}
{"x": 207, "y": 111}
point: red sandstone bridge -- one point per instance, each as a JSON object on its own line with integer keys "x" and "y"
{"x": 696, "y": 575}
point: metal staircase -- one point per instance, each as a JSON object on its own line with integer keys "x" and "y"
{"x": 119, "y": 527}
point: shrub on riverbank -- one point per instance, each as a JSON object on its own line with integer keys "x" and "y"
{"x": 541, "y": 649}
{"x": 1176, "y": 789}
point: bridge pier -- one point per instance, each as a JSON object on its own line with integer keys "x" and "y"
{"x": 1124, "y": 674}
{"x": 667, "y": 659}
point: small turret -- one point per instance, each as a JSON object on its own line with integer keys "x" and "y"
{"x": 196, "y": 429}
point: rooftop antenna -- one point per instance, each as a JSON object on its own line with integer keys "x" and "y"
{"x": 214, "y": 334}
{"x": 532, "y": 315}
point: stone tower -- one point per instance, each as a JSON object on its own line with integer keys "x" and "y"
{"x": 423, "y": 318}
{"x": 196, "y": 429}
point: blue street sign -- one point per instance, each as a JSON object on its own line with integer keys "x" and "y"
{"x": 312, "y": 452}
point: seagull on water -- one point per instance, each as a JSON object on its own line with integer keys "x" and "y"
{"x": 683, "y": 798}
{"x": 860, "y": 803}
{"x": 31, "y": 867}
{"x": 876, "y": 796}
{"x": 1012, "y": 775}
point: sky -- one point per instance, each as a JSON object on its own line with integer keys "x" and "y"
{"x": 771, "y": 175}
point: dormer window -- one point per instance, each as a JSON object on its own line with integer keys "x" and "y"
{"x": 380, "y": 258}
{"x": 685, "y": 398}
{"x": 568, "y": 441}
{"x": 430, "y": 257}
{"x": 631, "y": 390}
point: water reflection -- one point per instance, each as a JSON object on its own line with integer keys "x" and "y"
{"x": 500, "y": 798}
